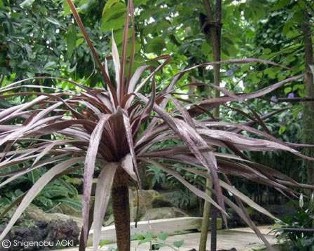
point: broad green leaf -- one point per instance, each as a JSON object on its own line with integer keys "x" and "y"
{"x": 27, "y": 3}
{"x": 71, "y": 189}
{"x": 148, "y": 238}
{"x": 113, "y": 16}
{"x": 156, "y": 27}
{"x": 118, "y": 37}
{"x": 66, "y": 8}
{"x": 49, "y": 64}
{"x": 279, "y": 4}
{"x": 287, "y": 90}
{"x": 109, "y": 5}
{"x": 71, "y": 40}
{"x": 267, "y": 51}
{"x": 83, "y": 5}
{"x": 206, "y": 49}
{"x": 75, "y": 204}
{"x": 162, "y": 236}
{"x": 178, "y": 244}
{"x": 156, "y": 45}
{"x": 113, "y": 24}
{"x": 53, "y": 21}
{"x": 79, "y": 41}
{"x": 138, "y": 236}
{"x": 140, "y": 2}
{"x": 271, "y": 73}
{"x": 282, "y": 129}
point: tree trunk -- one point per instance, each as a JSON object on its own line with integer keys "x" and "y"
{"x": 213, "y": 34}
{"x": 206, "y": 218}
{"x": 121, "y": 209}
{"x": 308, "y": 114}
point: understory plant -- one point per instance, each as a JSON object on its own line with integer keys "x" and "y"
{"x": 113, "y": 132}
{"x": 296, "y": 231}
{"x": 56, "y": 195}
{"x": 157, "y": 241}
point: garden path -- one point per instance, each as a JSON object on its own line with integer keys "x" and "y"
{"x": 242, "y": 239}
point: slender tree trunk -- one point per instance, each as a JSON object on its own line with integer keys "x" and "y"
{"x": 206, "y": 218}
{"x": 121, "y": 209}
{"x": 213, "y": 23}
{"x": 308, "y": 122}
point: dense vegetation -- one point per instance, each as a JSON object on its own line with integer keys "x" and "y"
{"x": 157, "y": 98}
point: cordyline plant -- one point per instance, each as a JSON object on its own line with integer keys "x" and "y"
{"x": 116, "y": 130}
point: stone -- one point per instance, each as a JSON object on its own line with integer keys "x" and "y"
{"x": 43, "y": 236}
{"x": 47, "y": 229}
{"x": 36, "y": 214}
{"x": 144, "y": 200}
{"x": 67, "y": 210}
{"x": 109, "y": 220}
{"x": 148, "y": 203}
{"x": 163, "y": 213}
{"x": 160, "y": 201}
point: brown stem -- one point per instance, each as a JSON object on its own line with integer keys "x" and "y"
{"x": 308, "y": 113}
{"x": 121, "y": 210}
{"x": 213, "y": 13}
{"x": 92, "y": 48}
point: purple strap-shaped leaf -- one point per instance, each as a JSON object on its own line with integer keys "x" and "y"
{"x": 89, "y": 168}
{"x": 36, "y": 189}
{"x": 192, "y": 188}
{"x": 102, "y": 195}
{"x": 117, "y": 66}
{"x": 11, "y": 112}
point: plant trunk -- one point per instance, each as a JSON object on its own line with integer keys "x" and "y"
{"x": 121, "y": 209}
{"x": 206, "y": 218}
{"x": 213, "y": 23}
{"x": 308, "y": 114}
